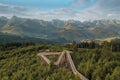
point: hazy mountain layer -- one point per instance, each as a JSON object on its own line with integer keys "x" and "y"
{"x": 60, "y": 30}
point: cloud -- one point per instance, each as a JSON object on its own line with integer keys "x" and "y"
{"x": 100, "y": 10}
{"x": 108, "y": 6}
{"x": 62, "y": 13}
{"x": 116, "y": 16}
{"x": 11, "y": 10}
{"x": 6, "y": 7}
{"x": 109, "y": 15}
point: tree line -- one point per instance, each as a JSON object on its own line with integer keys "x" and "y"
{"x": 114, "y": 45}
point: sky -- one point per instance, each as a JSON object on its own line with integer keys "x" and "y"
{"x": 61, "y": 9}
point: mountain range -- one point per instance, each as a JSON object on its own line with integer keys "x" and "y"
{"x": 70, "y": 30}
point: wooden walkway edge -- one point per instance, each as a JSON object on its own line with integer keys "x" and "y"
{"x": 69, "y": 58}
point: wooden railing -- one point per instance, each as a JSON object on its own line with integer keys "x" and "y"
{"x": 62, "y": 54}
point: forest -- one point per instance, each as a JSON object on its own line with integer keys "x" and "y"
{"x": 18, "y": 61}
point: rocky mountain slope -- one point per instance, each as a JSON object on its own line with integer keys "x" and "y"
{"x": 60, "y": 30}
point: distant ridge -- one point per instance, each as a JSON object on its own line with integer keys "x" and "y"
{"x": 70, "y": 30}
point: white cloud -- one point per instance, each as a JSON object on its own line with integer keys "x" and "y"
{"x": 109, "y": 15}
{"x": 62, "y": 13}
{"x": 10, "y": 10}
{"x": 101, "y": 10}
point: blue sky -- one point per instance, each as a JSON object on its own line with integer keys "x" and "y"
{"x": 61, "y": 9}
{"x": 50, "y": 4}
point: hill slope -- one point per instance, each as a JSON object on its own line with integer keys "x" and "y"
{"x": 56, "y": 29}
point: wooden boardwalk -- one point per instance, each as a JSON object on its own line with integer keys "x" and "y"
{"x": 62, "y": 54}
